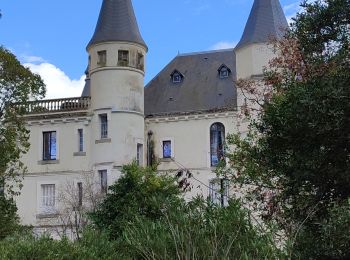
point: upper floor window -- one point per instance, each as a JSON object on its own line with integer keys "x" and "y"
{"x": 102, "y": 58}
{"x": 48, "y": 198}
{"x": 217, "y": 140}
{"x": 176, "y": 77}
{"x": 224, "y": 71}
{"x": 140, "y": 61}
{"x": 49, "y": 146}
{"x": 81, "y": 140}
{"x": 103, "y": 125}
{"x": 123, "y": 58}
{"x": 167, "y": 149}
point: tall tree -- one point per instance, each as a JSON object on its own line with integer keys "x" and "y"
{"x": 300, "y": 145}
{"x": 18, "y": 85}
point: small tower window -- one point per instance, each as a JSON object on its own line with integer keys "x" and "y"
{"x": 140, "y": 61}
{"x": 123, "y": 58}
{"x": 102, "y": 58}
{"x": 176, "y": 77}
{"x": 224, "y": 71}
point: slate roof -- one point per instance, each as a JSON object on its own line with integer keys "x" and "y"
{"x": 117, "y": 22}
{"x": 266, "y": 20}
{"x": 201, "y": 88}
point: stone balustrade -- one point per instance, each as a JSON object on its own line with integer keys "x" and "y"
{"x": 57, "y": 105}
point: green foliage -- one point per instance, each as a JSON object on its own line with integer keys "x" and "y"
{"x": 92, "y": 246}
{"x": 139, "y": 192}
{"x": 17, "y": 85}
{"x": 331, "y": 235}
{"x": 299, "y": 146}
{"x": 9, "y": 221}
{"x": 199, "y": 231}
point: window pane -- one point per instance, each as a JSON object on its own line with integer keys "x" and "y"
{"x": 217, "y": 139}
{"x": 49, "y": 146}
{"x": 48, "y": 197}
{"x": 104, "y": 125}
{"x": 81, "y": 140}
{"x": 166, "y": 149}
{"x": 103, "y": 180}
{"x": 80, "y": 193}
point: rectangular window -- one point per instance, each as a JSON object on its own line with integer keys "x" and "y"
{"x": 139, "y": 156}
{"x": 123, "y": 58}
{"x": 167, "y": 149}
{"x": 103, "y": 180}
{"x": 48, "y": 197}
{"x": 49, "y": 146}
{"x": 219, "y": 191}
{"x": 104, "y": 126}
{"x": 101, "y": 58}
{"x": 80, "y": 193}
{"x": 140, "y": 61}
{"x": 81, "y": 140}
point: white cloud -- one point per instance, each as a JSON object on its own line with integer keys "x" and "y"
{"x": 58, "y": 84}
{"x": 32, "y": 59}
{"x": 223, "y": 45}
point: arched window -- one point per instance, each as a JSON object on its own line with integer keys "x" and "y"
{"x": 217, "y": 140}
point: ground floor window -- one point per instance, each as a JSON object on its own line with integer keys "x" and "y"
{"x": 48, "y": 198}
{"x": 219, "y": 191}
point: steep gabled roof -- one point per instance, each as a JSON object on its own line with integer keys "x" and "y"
{"x": 117, "y": 22}
{"x": 202, "y": 89}
{"x": 266, "y": 20}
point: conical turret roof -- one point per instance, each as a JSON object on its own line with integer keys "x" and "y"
{"x": 266, "y": 20}
{"x": 117, "y": 22}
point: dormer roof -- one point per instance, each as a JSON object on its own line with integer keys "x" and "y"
{"x": 266, "y": 21}
{"x": 117, "y": 22}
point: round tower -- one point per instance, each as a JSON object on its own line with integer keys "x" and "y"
{"x": 116, "y": 70}
{"x": 266, "y": 22}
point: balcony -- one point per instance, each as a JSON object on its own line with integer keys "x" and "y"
{"x": 57, "y": 105}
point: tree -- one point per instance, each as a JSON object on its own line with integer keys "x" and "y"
{"x": 17, "y": 85}
{"x": 9, "y": 221}
{"x": 138, "y": 192}
{"x": 299, "y": 145}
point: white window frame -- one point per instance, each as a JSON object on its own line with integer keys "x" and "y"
{"x": 41, "y": 142}
{"x": 81, "y": 143}
{"x": 216, "y": 194}
{"x": 139, "y": 154}
{"x": 40, "y": 207}
{"x": 171, "y": 139}
{"x": 100, "y": 171}
{"x": 101, "y": 133}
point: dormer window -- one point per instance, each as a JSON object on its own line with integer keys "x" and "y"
{"x": 176, "y": 77}
{"x": 123, "y": 58}
{"x": 224, "y": 71}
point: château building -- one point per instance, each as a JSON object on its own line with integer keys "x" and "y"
{"x": 180, "y": 118}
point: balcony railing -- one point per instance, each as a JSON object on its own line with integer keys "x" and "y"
{"x": 57, "y": 105}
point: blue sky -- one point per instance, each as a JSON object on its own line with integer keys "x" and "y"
{"x": 50, "y": 36}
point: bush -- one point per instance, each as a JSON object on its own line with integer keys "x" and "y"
{"x": 139, "y": 192}
{"x": 199, "y": 231}
{"x": 94, "y": 245}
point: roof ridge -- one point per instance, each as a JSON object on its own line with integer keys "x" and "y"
{"x": 204, "y": 52}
